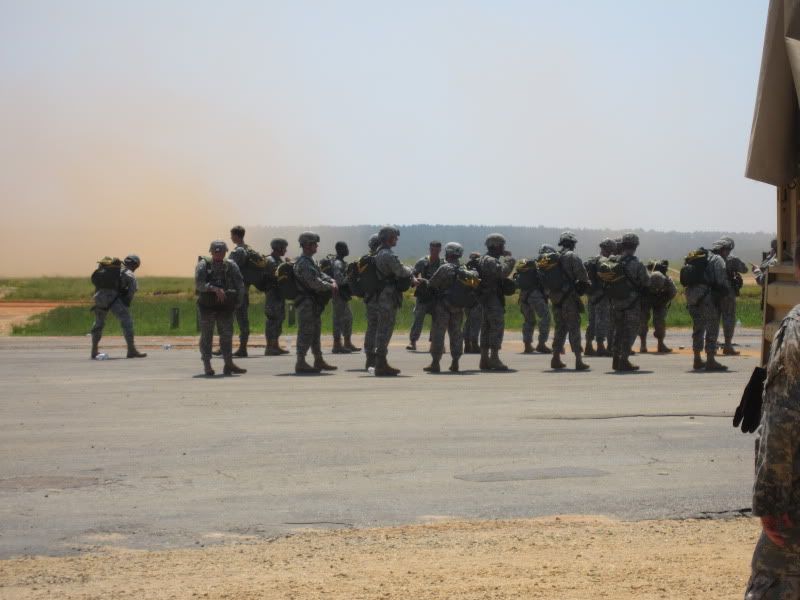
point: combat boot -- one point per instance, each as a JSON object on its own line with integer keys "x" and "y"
{"x": 476, "y": 347}
{"x": 279, "y": 348}
{"x": 712, "y": 364}
{"x": 348, "y": 344}
{"x": 383, "y": 368}
{"x": 662, "y": 347}
{"x": 411, "y": 346}
{"x": 241, "y": 352}
{"x": 271, "y": 349}
{"x": 370, "y": 361}
{"x": 454, "y": 365}
{"x": 467, "y": 347}
{"x": 338, "y": 348}
{"x": 495, "y": 364}
{"x": 542, "y": 347}
{"x": 207, "y": 370}
{"x": 615, "y": 363}
{"x": 301, "y": 367}
{"x": 579, "y": 364}
{"x": 483, "y": 365}
{"x": 643, "y": 345}
{"x": 625, "y": 365}
{"x": 319, "y": 363}
{"x": 95, "y": 346}
{"x": 699, "y": 363}
{"x": 589, "y": 350}
{"x": 231, "y": 369}
{"x": 728, "y": 350}
{"x": 601, "y": 349}
{"x": 555, "y": 362}
{"x": 528, "y": 348}
{"x": 133, "y": 352}
{"x": 434, "y": 367}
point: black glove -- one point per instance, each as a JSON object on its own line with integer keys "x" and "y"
{"x": 748, "y": 413}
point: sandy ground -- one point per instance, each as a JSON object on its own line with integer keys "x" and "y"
{"x": 17, "y": 312}
{"x": 552, "y": 557}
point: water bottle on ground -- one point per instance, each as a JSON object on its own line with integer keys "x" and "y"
{"x": 101, "y": 356}
{"x": 371, "y": 370}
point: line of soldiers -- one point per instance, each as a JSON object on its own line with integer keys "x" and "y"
{"x": 466, "y": 301}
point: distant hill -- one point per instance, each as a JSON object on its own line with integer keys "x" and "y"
{"x": 522, "y": 241}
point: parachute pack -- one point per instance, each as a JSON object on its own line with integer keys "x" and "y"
{"x": 326, "y": 264}
{"x": 108, "y": 274}
{"x": 287, "y": 287}
{"x": 464, "y": 290}
{"x": 591, "y": 270}
{"x": 551, "y": 273}
{"x": 616, "y": 283}
{"x": 362, "y": 275}
{"x": 693, "y": 271}
{"x": 527, "y": 275}
{"x": 254, "y": 270}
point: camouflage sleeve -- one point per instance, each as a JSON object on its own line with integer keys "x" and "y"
{"x": 339, "y": 272}
{"x": 238, "y": 282}
{"x": 389, "y": 265}
{"x": 200, "y": 283}
{"x": 311, "y": 277}
{"x": 507, "y": 265}
{"x": 717, "y": 275}
{"x": 239, "y": 256}
{"x": 736, "y": 265}
{"x": 419, "y": 266}
{"x": 670, "y": 291}
{"x": 577, "y": 270}
{"x": 777, "y": 449}
{"x": 129, "y": 286}
{"x": 443, "y": 277}
{"x": 641, "y": 276}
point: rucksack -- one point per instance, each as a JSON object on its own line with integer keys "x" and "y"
{"x": 551, "y": 273}
{"x": 527, "y": 275}
{"x": 254, "y": 270}
{"x": 287, "y": 287}
{"x": 591, "y": 270}
{"x": 693, "y": 271}
{"x": 326, "y": 265}
{"x": 616, "y": 283}
{"x": 463, "y": 291}
{"x": 108, "y": 274}
{"x": 366, "y": 276}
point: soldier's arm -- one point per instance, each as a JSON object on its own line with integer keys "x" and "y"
{"x": 642, "y": 276}
{"x": 238, "y": 282}
{"x": 339, "y": 272}
{"x": 578, "y": 270}
{"x": 130, "y": 287}
{"x": 439, "y": 280}
{"x": 719, "y": 277}
{"x": 200, "y": 283}
{"x": 419, "y": 267}
{"x": 507, "y": 265}
{"x": 778, "y": 447}
{"x": 390, "y": 265}
{"x": 311, "y": 278}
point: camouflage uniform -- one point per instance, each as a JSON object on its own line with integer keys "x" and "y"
{"x": 492, "y": 269}
{"x": 598, "y": 309}
{"x": 239, "y": 256}
{"x": 473, "y": 320}
{"x": 118, "y": 302}
{"x": 390, "y": 269}
{"x": 274, "y": 304}
{"x": 311, "y": 282}
{"x": 224, "y": 275}
{"x": 775, "y": 571}
{"x": 626, "y": 312}
{"x": 371, "y": 305}
{"x": 656, "y": 300}
{"x": 567, "y": 305}
{"x": 760, "y": 272}
{"x": 532, "y": 304}
{"x": 703, "y": 306}
{"x": 342, "y": 315}
{"x": 446, "y": 317}
{"x": 727, "y": 305}
{"x": 425, "y": 268}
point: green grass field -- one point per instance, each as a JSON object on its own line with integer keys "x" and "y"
{"x": 159, "y": 295}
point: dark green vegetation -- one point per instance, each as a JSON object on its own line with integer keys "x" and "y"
{"x": 158, "y": 295}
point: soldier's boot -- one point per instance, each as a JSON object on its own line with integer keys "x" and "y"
{"x": 712, "y": 364}
{"x": 556, "y": 362}
{"x": 133, "y": 352}
{"x": 434, "y": 367}
{"x": 383, "y": 368}
{"x": 476, "y": 347}
{"x": 601, "y": 349}
{"x": 483, "y": 365}
{"x": 542, "y": 347}
{"x": 643, "y": 344}
{"x": 615, "y": 362}
{"x": 579, "y": 364}
{"x": 348, "y": 344}
{"x": 495, "y": 364}
{"x": 528, "y": 348}
{"x": 338, "y": 348}
{"x": 699, "y": 363}
{"x": 662, "y": 347}
{"x": 728, "y": 349}
{"x": 241, "y": 351}
{"x": 95, "y": 345}
{"x": 625, "y": 365}
{"x": 454, "y": 365}
{"x": 370, "y": 361}
{"x": 589, "y": 350}
{"x": 411, "y": 345}
{"x": 207, "y": 370}
{"x": 278, "y": 347}
{"x": 319, "y": 363}
{"x": 301, "y": 367}
{"x": 467, "y": 346}
{"x": 232, "y": 369}
{"x": 272, "y": 348}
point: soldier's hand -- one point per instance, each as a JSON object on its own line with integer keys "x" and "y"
{"x": 415, "y": 282}
{"x": 220, "y": 295}
{"x": 774, "y": 527}
{"x": 335, "y": 288}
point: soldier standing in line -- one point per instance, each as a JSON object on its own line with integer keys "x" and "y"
{"x": 734, "y": 268}
{"x": 425, "y": 301}
{"x": 447, "y": 314}
{"x": 396, "y": 278}
{"x": 473, "y": 317}
{"x": 342, "y": 315}
{"x": 626, "y": 308}
{"x": 371, "y": 304}
{"x": 274, "y": 304}
{"x": 532, "y": 304}
{"x": 702, "y": 301}
{"x": 313, "y": 289}
{"x": 599, "y": 305}
{"x": 117, "y": 299}
{"x": 776, "y": 490}
{"x": 567, "y": 304}
{"x": 220, "y": 290}
{"x": 656, "y": 300}
{"x": 239, "y": 256}
{"x": 493, "y": 267}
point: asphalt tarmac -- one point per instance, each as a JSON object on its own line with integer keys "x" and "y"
{"x": 150, "y": 454}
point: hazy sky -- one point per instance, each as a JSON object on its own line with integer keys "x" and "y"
{"x": 155, "y": 126}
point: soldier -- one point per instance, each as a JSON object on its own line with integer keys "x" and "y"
{"x": 770, "y": 259}
{"x": 566, "y": 301}
{"x": 734, "y": 267}
{"x": 493, "y": 267}
{"x": 532, "y": 304}
{"x": 274, "y": 304}
{"x": 656, "y": 300}
{"x": 313, "y": 287}
{"x": 626, "y": 303}
{"x": 239, "y": 256}
{"x": 425, "y": 300}
{"x": 117, "y": 299}
{"x": 473, "y": 316}
{"x": 447, "y": 313}
{"x": 371, "y": 304}
{"x": 220, "y": 290}
{"x": 342, "y": 316}
{"x": 599, "y": 305}
{"x": 702, "y": 301}
{"x": 776, "y": 490}
{"x": 395, "y": 278}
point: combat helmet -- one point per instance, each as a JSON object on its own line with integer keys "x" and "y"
{"x": 454, "y": 249}
{"x": 608, "y": 244}
{"x": 630, "y": 240}
{"x": 278, "y": 243}
{"x": 132, "y": 261}
{"x": 341, "y": 249}
{"x": 218, "y": 245}
{"x": 567, "y": 238}
{"x": 729, "y": 241}
{"x": 495, "y": 239}
{"x": 546, "y": 249}
{"x": 388, "y": 231}
{"x": 308, "y": 237}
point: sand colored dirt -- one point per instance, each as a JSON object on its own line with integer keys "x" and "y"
{"x": 16, "y": 313}
{"x": 554, "y": 557}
